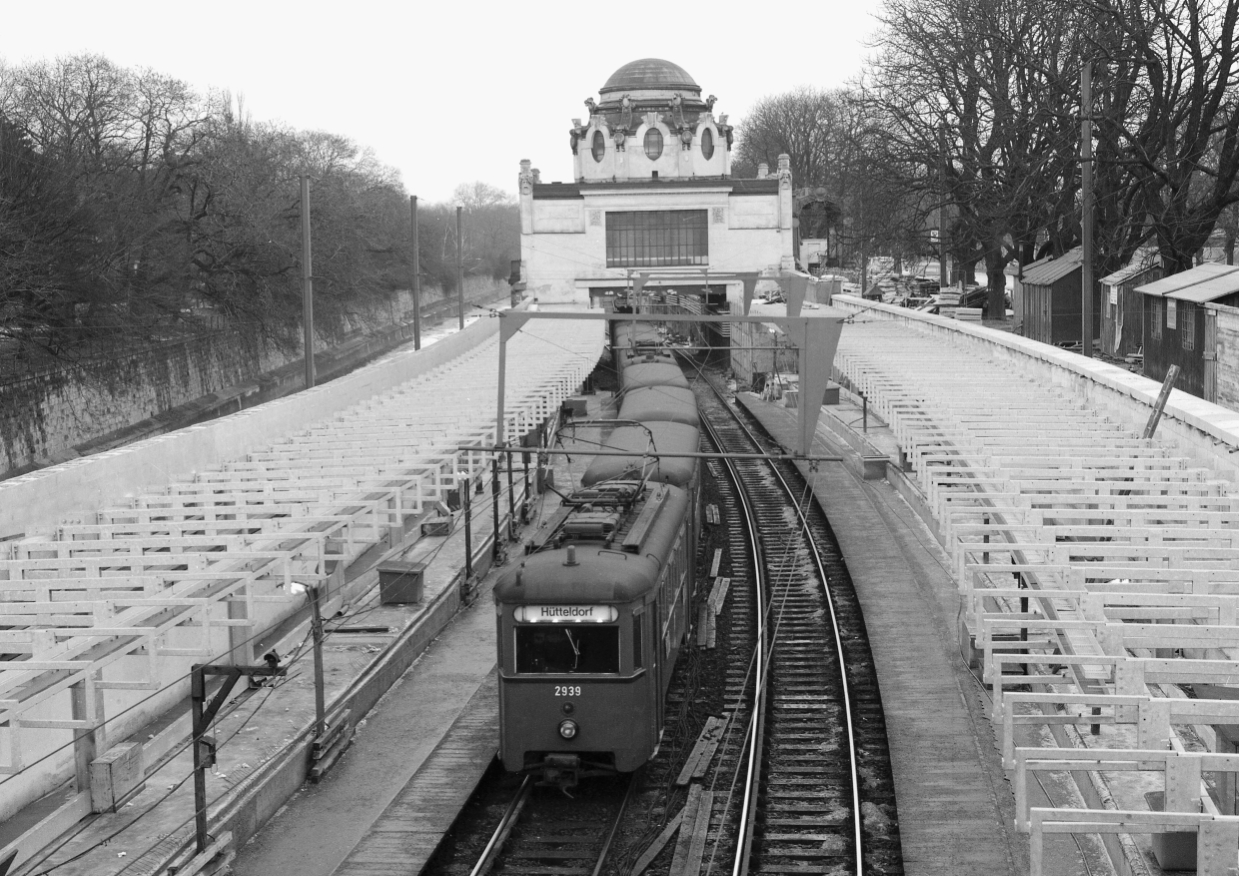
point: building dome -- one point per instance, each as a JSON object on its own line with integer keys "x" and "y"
{"x": 649, "y": 74}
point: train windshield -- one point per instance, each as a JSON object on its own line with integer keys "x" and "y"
{"x": 567, "y": 649}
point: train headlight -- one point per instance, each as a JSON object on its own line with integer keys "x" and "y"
{"x": 567, "y": 729}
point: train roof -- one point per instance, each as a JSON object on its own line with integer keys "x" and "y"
{"x": 653, "y": 373}
{"x": 617, "y": 570}
{"x": 638, "y": 332}
{"x": 669, "y": 404}
{"x": 665, "y": 438}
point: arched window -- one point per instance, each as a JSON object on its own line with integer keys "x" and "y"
{"x": 653, "y": 144}
{"x": 707, "y": 144}
{"x": 600, "y": 146}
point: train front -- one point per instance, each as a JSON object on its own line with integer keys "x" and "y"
{"x": 579, "y": 690}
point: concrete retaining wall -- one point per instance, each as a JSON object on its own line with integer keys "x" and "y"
{"x": 37, "y": 502}
{"x": 1206, "y": 431}
{"x": 44, "y": 416}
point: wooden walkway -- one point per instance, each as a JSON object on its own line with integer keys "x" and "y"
{"x": 402, "y": 840}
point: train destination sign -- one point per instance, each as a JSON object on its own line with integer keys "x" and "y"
{"x": 571, "y": 614}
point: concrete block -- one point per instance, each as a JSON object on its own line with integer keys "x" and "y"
{"x": 874, "y": 466}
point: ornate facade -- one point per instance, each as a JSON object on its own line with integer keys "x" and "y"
{"x": 652, "y": 193}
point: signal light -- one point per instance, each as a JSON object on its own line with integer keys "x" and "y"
{"x": 567, "y": 729}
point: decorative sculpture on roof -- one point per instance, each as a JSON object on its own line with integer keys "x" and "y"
{"x": 725, "y": 129}
{"x": 577, "y": 134}
{"x": 593, "y": 107}
{"x": 710, "y": 101}
{"x": 785, "y": 172}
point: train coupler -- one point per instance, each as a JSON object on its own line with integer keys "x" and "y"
{"x": 563, "y": 771}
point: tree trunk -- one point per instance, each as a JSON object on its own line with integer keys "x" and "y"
{"x": 996, "y": 301}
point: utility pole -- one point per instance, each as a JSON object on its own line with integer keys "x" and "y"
{"x": 944, "y": 278}
{"x": 417, "y": 276}
{"x": 1086, "y": 215}
{"x": 460, "y": 269}
{"x": 307, "y": 283}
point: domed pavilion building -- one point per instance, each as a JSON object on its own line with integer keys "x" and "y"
{"x": 653, "y": 194}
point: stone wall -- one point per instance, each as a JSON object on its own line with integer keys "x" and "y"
{"x": 45, "y": 416}
{"x": 1206, "y": 431}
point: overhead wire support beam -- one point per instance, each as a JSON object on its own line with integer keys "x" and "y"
{"x": 818, "y": 336}
{"x": 685, "y": 454}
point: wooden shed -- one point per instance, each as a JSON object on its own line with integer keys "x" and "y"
{"x": 1051, "y": 301}
{"x": 1122, "y": 308}
{"x": 1180, "y": 330}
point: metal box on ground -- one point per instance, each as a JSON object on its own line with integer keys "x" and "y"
{"x": 401, "y": 583}
{"x": 115, "y": 776}
{"x": 437, "y": 526}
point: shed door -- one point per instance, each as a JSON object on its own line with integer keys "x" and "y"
{"x": 1118, "y": 322}
{"x": 1209, "y": 353}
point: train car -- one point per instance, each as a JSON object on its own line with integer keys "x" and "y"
{"x": 589, "y": 628}
{"x": 652, "y": 373}
{"x": 661, "y": 441}
{"x": 666, "y": 404}
{"x": 638, "y": 341}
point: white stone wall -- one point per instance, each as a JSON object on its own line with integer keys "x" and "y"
{"x": 563, "y": 252}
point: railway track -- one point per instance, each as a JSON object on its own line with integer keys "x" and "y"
{"x": 542, "y": 830}
{"x": 561, "y": 834}
{"x": 813, "y": 791}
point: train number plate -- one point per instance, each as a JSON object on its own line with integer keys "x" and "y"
{"x": 567, "y": 690}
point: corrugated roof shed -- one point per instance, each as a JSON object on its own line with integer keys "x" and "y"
{"x": 1182, "y": 280}
{"x": 1209, "y": 289}
{"x": 1122, "y": 275}
{"x": 1043, "y": 274}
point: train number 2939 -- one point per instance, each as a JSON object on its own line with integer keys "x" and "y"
{"x": 567, "y": 690}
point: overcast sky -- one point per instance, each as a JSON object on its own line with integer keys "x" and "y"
{"x": 452, "y": 91}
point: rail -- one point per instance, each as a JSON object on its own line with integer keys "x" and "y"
{"x": 769, "y": 642}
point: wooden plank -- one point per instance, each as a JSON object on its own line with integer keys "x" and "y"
{"x": 697, "y": 845}
{"x": 679, "y": 862}
{"x": 716, "y": 562}
{"x": 711, "y": 731}
{"x": 703, "y": 617}
{"x": 651, "y": 853}
{"x": 718, "y": 595}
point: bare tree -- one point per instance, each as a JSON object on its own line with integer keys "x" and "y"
{"x": 1167, "y": 121}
